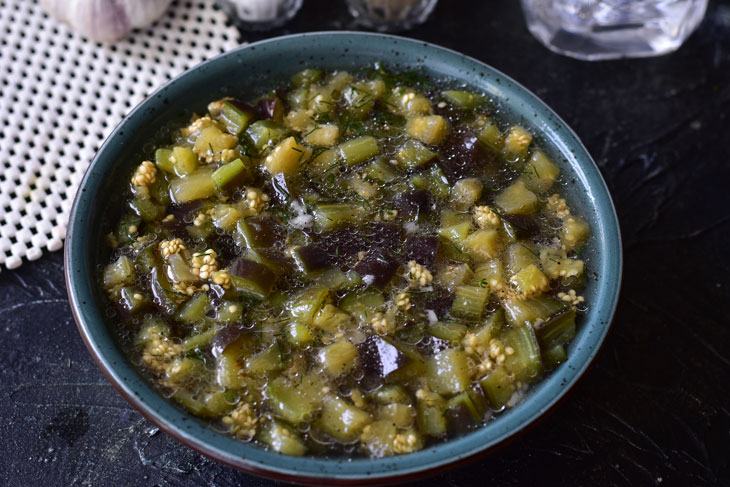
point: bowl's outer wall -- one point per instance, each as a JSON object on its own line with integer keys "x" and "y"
{"x": 250, "y": 70}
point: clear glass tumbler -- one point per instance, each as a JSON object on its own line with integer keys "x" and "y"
{"x": 612, "y": 29}
{"x": 391, "y": 15}
{"x": 260, "y": 14}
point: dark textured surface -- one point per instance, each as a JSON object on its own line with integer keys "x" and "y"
{"x": 654, "y": 409}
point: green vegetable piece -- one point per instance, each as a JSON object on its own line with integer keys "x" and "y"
{"x": 133, "y": 300}
{"x": 293, "y": 403}
{"x": 448, "y": 372}
{"x": 359, "y": 150}
{"x": 332, "y": 215}
{"x": 338, "y": 358}
{"x": 380, "y": 171}
{"x": 163, "y": 160}
{"x": 468, "y": 402}
{"x": 469, "y": 302}
{"x": 119, "y": 272}
{"x": 282, "y": 439}
{"x": 463, "y": 99}
{"x": 199, "y": 341}
{"x": 521, "y": 255}
{"x": 362, "y": 305}
{"x": 184, "y": 370}
{"x": 197, "y": 186}
{"x": 558, "y": 330}
{"x": 252, "y": 278}
{"x": 456, "y": 233}
{"x": 307, "y": 304}
{"x": 414, "y": 154}
{"x": 450, "y": 331}
{"x": 194, "y": 310}
{"x": 127, "y": 230}
{"x": 147, "y": 209}
{"x": 430, "y": 414}
{"x": 574, "y": 233}
{"x": 268, "y": 360}
{"x": 233, "y": 175}
{"x": 483, "y": 244}
{"x": 235, "y": 116}
{"x": 466, "y": 192}
{"x": 540, "y": 172}
{"x": 229, "y": 312}
{"x": 491, "y": 137}
{"x": 298, "y": 334}
{"x": 266, "y": 133}
{"x": 517, "y": 200}
{"x": 341, "y": 420}
{"x": 178, "y": 269}
{"x": 392, "y": 394}
{"x": 525, "y": 363}
{"x": 498, "y": 386}
{"x": 258, "y": 232}
{"x": 521, "y": 311}
{"x": 552, "y": 357}
{"x": 306, "y": 77}
{"x": 184, "y": 161}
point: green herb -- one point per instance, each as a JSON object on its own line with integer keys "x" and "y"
{"x": 530, "y": 250}
{"x": 581, "y": 250}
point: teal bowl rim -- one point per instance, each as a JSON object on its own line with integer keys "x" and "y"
{"x": 605, "y": 248}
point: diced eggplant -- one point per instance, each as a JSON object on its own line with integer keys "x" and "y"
{"x": 279, "y": 189}
{"x": 260, "y": 232}
{"x": 413, "y": 203}
{"x": 462, "y": 156}
{"x": 225, "y": 337}
{"x": 270, "y": 108}
{"x": 380, "y": 264}
{"x": 252, "y": 278}
{"x": 380, "y": 357}
{"x": 524, "y": 227}
{"x": 423, "y": 250}
{"x": 311, "y": 258}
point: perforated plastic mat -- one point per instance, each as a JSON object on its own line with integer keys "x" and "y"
{"x": 60, "y": 96}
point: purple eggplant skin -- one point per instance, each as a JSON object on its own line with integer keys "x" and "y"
{"x": 462, "y": 156}
{"x": 525, "y": 227}
{"x": 265, "y": 232}
{"x": 423, "y": 250}
{"x": 338, "y": 247}
{"x": 279, "y": 189}
{"x": 254, "y": 272}
{"x": 313, "y": 258}
{"x": 224, "y": 337}
{"x": 226, "y": 248}
{"x": 380, "y": 357}
{"x": 413, "y": 203}
{"x": 380, "y": 264}
{"x": 270, "y": 108}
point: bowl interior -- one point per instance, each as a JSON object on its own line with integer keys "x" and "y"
{"x": 250, "y": 70}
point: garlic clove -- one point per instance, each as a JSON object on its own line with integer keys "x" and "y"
{"x": 105, "y": 20}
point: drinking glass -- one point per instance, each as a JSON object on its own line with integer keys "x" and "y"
{"x": 611, "y": 29}
{"x": 391, "y": 15}
{"x": 260, "y": 14}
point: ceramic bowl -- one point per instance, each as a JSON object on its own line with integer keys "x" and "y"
{"x": 248, "y": 70}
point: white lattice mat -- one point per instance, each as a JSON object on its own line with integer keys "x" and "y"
{"x": 60, "y": 96}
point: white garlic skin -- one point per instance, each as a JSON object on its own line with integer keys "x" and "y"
{"x": 105, "y": 20}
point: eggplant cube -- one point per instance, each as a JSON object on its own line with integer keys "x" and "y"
{"x": 423, "y": 250}
{"x": 252, "y": 278}
{"x": 379, "y": 264}
{"x": 379, "y": 357}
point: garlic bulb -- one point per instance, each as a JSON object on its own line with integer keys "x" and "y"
{"x": 105, "y": 20}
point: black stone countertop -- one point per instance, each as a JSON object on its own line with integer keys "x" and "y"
{"x": 655, "y": 407}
